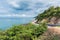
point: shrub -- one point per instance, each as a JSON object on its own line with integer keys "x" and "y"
{"x": 23, "y": 32}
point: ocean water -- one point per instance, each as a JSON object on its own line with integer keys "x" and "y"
{"x": 6, "y": 23}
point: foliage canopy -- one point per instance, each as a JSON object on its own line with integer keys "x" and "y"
{"x": 23, "y": 32}
{"x": 49, "y": 13}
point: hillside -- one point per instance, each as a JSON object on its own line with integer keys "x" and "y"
{"x": 52, "y": 15}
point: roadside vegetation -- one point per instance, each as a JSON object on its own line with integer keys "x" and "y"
{"x": 23, "y": 32}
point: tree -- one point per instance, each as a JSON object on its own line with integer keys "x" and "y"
{"x": 49, "y": 13}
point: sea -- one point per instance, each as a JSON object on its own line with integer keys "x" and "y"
{"x": 6, "y": 22}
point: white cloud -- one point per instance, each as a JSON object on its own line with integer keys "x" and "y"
{"x": 45, "y": 2}
{"x": 35, "y": 10}
{"x": 14, "y": 4}
{"x": 16, "y": 15}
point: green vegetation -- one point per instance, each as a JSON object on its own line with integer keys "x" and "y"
{"x": 49, "y": 13}
{"x": 23, "y": 32}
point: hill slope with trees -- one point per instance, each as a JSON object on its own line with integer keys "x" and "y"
{"x": 51, "y": 14}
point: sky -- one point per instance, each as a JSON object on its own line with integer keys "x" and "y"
{"x": 25, "y": 8}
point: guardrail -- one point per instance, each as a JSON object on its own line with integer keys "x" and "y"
{"x": 53, "y": 24}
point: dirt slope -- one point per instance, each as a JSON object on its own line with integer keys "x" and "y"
{"x": 54, "y": 30}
